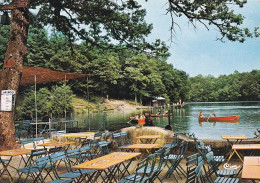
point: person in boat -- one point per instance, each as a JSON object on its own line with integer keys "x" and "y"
{"x": 201, "y": 115}
{"x": 159, "y": 112}
{"x": 148, "y": 120}
{"x": 166, "y": 112}
{"x": 213, "y": 115}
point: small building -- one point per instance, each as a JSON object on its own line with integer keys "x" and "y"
{"x": 158, "y": 101}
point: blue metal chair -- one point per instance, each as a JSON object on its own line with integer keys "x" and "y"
{"x": 174, "y": 142}
{"x": 73, "y": 156}
{"x": 56, "y": 158}
{"x": 191, "y": 163}
{"x": 35, "y": 171}
{"x": 200, "y": 178}
{"x": 213, "y": 167}
{"x": 146, "y": 169}
{"x": 85, "y": 153}
{"x": 203, "y": 150}
{"x": 70, "y": 174}
{"x": 173, "y": 162}
{"x": 103, "y": 148}
{"x": 5, "y": 164}
{"x": 36, "y": 153}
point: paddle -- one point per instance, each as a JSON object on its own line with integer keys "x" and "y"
{"x": 208, "y": 118}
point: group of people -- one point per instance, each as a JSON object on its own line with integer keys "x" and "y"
{"x": 144, "y": 120}
{"x": 211, "y": 116}
{"x": 159, "y": 112}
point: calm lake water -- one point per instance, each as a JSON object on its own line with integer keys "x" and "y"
{"x": 185, "y": 120}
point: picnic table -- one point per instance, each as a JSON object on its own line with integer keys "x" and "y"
{"x": 233, "y": 139}
{"x": 148, "y": 148}
{"x": 58, "y": 144}
{"x": 109, "y": 165}
{"x": 12, "y": 153}
{"x": 148, "y": 139}
{"x": 251, "y": 168}
{"x": 240, "y": 147}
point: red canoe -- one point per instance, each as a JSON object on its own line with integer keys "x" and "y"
{"x": 220, "y": 119}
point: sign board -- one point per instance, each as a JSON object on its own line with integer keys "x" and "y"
{"x": 7, "y": 100}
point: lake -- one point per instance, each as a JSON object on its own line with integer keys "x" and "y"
{"x": 185, "y": 120}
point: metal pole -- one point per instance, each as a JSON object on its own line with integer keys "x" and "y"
{"x": 88, "y": 105}
{"x": 35, "y": 102}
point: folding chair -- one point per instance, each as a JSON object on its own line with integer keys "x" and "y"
{"x": 36, "y": 153}
{"x": 70, "y": 174}
{"x": 85, "y": 154}
{"x": 73, "y": 156}
{"x": 28, "y": 141}
{"x": 173, "y": 162}
{"x": 119, "y": 140}
{"x": 191, "y": 163}
{"x": 5, "y": 164}
{"x": 35, "y": 171}
{"x": 36, "y": 140}
{"x": 125, "y": 140}
{"x": 103, "y": 148}
{"x": 199, "y": 177}
{"x": 213, "y": 167}
{"x": 174, "y": 142}
{"x": 203, "y": 150}
{"x": 146, "y": 173}
{"x": 54, "y": 150}
{"x": 157, "y": 169}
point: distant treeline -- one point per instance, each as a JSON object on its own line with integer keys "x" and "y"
{"x": 233, "y": 87}
{"x": 126, "y": 73}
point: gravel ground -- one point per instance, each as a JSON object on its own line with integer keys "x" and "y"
{"x": 15, "y": 162}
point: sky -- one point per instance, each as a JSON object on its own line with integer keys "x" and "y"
{"x": 197, "y": 51}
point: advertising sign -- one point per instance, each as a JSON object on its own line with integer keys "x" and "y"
{"x": 7, "y": 100}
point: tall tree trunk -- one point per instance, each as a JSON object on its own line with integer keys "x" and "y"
{"x": 11, "y": 76}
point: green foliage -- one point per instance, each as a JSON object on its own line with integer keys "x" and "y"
{"x": 53, "y": 101}
{"x": 234, "y": 87}
{"x": 4, "y": 37}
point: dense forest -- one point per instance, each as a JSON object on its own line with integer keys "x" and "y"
{"x": 120, "y": 73}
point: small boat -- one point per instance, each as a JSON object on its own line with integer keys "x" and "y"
{"x": 159, "y": 115}
{"x": 220, "y": 119}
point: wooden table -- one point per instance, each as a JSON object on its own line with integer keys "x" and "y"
{"x": 109, "y": 165}
{"x": 233, "y": 139}
{"x": 237, "y": 147}
{"x": 251, "y": 168}
{"x": 147, "y": 147}
{"x": 12, "y": 153}
{"x": 57, "y": 144}
{"x": 148, "y": 139}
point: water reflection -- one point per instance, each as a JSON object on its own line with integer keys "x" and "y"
{"x": 184, "y": 120}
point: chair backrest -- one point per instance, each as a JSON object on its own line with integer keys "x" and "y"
{"x": 212, "y": 163}
{"x": 38, "y": 139}
{"x": 85, "y": 153}
{"x": 198, "y": 171}
{"x": 103, "y": 146}
{"x": 175, "y": 140}
{"x": 28, "y": 141}
{"x": 98, "y": 135}
{"x": 191, "y": 163}
{"x": 54, "y": 150}
{"x": 36, "y": 153}
{"x": 143, "y": 165}
{"x": 57, "y": 156}
{"x": 43, "y": 161}
{"x": 117, "y": 139}
{"x": 125, "y": 140}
